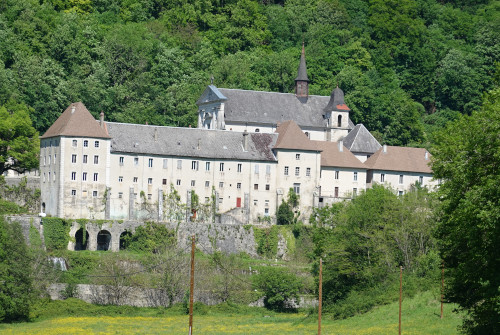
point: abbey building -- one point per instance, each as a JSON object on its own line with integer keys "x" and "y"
{"x": 248, "y": 150}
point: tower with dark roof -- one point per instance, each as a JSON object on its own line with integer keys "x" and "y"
{"x": 302, "y": 81}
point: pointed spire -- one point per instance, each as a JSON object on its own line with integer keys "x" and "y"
{"x": 302, "y": 73}
{"x": 302, "y": 81}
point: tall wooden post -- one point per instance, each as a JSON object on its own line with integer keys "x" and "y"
{"x": 191, "y": 288}
{"x": 442, "y": 288}
{"x": 320, "y": 295}
{"x": 400, "y": 295}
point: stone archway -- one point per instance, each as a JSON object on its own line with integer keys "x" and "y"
{"x": 81, "y": 242}
{"x": 103, "y": 240}
{"x": 125, "y": 239}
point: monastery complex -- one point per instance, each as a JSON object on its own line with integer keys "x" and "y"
{"x": 249, "y": 149}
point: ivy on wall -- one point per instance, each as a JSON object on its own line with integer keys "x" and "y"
{"x": 267, "y": 241}
{"x": 56, "y": 233}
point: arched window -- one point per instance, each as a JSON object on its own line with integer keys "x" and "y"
{"x": 307, "y": 134}
{"x": 339, "y": 121}
{"x": 257, "y": 130}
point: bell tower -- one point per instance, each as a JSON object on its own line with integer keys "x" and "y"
{"x": 302, "y": 81}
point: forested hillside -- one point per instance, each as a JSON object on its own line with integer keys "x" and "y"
{"x": 406, "y": 66}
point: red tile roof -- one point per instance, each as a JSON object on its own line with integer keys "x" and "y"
{"x": 402, "y": 159}
{"x": 331, "y": 156}
{"x": 76, "y": 120}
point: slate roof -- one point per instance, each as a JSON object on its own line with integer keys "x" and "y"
{"x": 302, "y": 72}
{"x": 400, "y": 159}
{"x": 292, "y": 137}
{"x": 360, "y": 139}
{"x": 243, "y": 106}
{"x": 331, "y": 156}
{"x": 336, "y": 102}
{"x": 211, "y": 93}
{"x": 76, "y": 120}
{"x": 190, "y": 142}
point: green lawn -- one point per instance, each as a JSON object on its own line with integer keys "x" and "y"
{"x": 420, "y": 316}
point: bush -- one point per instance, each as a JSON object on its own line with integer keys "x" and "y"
{"x": 56, "y": 233}
{"x": 279, "y": 286}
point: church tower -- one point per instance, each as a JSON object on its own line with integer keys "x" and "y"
{"x": 302, "y": 81}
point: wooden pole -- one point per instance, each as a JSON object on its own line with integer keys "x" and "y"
{"x": 400, "y": 295}
{"x": 320, "y": 295}
{"x": 442, "y": 288}
{"x": 191, "y": 288}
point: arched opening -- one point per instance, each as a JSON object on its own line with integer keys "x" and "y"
{"x": 103, "y": 240}
{"x": 43, "y": 207}
{"x": 307, "y": 134}
{"x": 125, "y": 239}
{"x": 257, "y": 130}
{"x": 80, "y": 242}
{"x": 339, "y": 121}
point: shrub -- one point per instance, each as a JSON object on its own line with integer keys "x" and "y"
{"x": 279, "y": 286}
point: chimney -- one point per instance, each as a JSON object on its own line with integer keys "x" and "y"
{"x": 426, "y": 155}
{"x": 245, "y": 140}
{"x": 385, "y": 148}
{"x": 341, "y": 146}
{"x": 156, "y": 134}
{"x": 101, "y": 119}
{"x": 199, "y": 143}
{"x": 73, "y": 107}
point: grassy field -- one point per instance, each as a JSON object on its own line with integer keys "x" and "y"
{"x": 420, "y": 316}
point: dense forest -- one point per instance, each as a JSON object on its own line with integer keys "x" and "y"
{"x": 406, "y": 66}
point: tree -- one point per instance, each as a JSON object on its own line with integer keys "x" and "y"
{"x": 15, "y": 273}
{"x": 279, "y": 286}
{"x": 19, "y": 143}
{"x": 466, "y": 158}
{"x": 286, "y": 213}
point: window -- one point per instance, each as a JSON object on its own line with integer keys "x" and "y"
{"x": 336, "y": 192}
{"x": 207, "y": 199}
{"x": 266, "y": 211}
{"x": 96, "y": 144}
{"x": 286, "y": 170}
{"x": 73, "y": 175}
{"x": 257, "y": 130}
{"x": 96, "y": 175}
{"x": 221, "y": 167}
{"x": 73, "y": 158}
{"x": 73, "y": 192}
{"x": 85, "y": 158}
{"x": 150, "y": 162}
{"x": 178, "y": 182}
{"x": 400, "y": 178}
{"x": 135, "y": 179}
{"x": 74, "y": 143}
{"x": 193, "y": 183}
{"x": 339, "y": 121}
{"x": 336, "y": 175}
{"x": 308, "y": 172}
{"x": 382, "y": 177}
{"x": 55, "y": 158}
{"x": 297, "y": 171}
{"x": 355, "y": 176}
{"x": 257, "y": 169}
{"x": 150, "y": 181}
{"x": 44, "y": 160}
{"x": 255, "y": 202}
{"x": 296, "y": 188}
{"x": 307, "y": 134}
{"x": 49, "y": 159}
{"x": 221, "y": 184}
{"x": 239, "y": 167}
{"x": 164, "y": 182}
{"x": 268, "y": 169}
{"x": 44, "y": 177}
{"x": 94, "y": 194}
{"x": 179, "y": 164}
{"x": 207, "y": 166}
{"x": 150, "y": 196}
{"x": 165, "y": 163}
{"x": 255, "y": 186}
{"x": 120, "y": 195}
{"x": 297, "y": 157}
{"x": 85, "y": 143}
{"x": 71, "y": 179}
{"x": 54, "y": 176}
{"x": 120, "y": 179}
{"x": 354, "y": 192}
{"x": 96, "y": 159}
{"x": 238, "y": 186}
{"x": 136, "y": 161}
{"x": 421, "y": 180}
{"x": 268, "y": 187}
{"x": 122, "y": 159}
{"x": 207, "y": 183}
{"x": 84, "y": 176}
{"x": 194, "y": 165}
{"x": 400, "y": 193}
{"x": 266, "y": 203}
